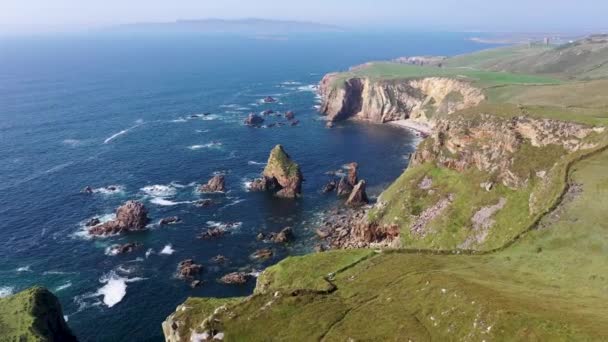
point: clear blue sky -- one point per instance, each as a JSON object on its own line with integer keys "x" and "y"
{"x": 31, "y": 16}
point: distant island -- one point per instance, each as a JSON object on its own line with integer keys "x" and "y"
{"x": 248, "y": 26}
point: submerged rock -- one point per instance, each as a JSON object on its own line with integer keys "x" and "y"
{"x": 235, "y": 278}
{"x": 268, "y": 112}
{"x": 269, "y": 99}
{"x": 93, "y": 222}
{"x": 215, "y": 184}
{"x": 219, "y": 259}
{"x": 125, "y": 248}
{"x": 290, "y": 115}
{"x": 87, "y": 190}
{"x": 281, "y": 175}
{"x": 263, "y": 253}
{"x": 187, "y": 269}
{"x": 132, "y": 216}
{"x": 213, "y": 233}
{"x": 170, "y": 220}
{"x": 204, "y": 203}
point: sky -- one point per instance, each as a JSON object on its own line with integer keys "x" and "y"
{"x": 40, "y": 16}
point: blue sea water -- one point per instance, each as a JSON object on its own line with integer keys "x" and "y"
{"x": 116, "y": 110}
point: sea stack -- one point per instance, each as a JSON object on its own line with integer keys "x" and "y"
{"x": 281, "y": 175}
{"x": 215, "y": 184}
{"x": 131, "y": 216}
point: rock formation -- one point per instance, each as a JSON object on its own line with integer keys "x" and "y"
{"x": 33, "y": 315}
{"x": 235, "y": 278}
{"x": 169, "y": 220}
{"x": 389, "y": 100}
{"x": 261, "y": 254}
{"x": 188, "y": 269}
{"x": 346, "y": 184}
{"x": 253, "y": 120}
{"x": 358, "y": 196}
{"x": 215, "y": 184}
{"x": 132, "y": 216}
{"x": 281, "y": 175}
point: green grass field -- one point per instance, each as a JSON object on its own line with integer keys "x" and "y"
{"x": 395, "y": 71}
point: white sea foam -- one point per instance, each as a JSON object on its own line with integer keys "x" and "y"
{"x": 291, "y": 83}
{"x": 247, "y": 184}
{"x": 123, "y": 132}
{"x": 251, "y": 162}
{"x": 167, "y": 250}
{"x": 72, "y": 142}
{"x": 167, "y": 203}
{"x": 208, "y": 145}
{"x": 110, "y": 190}
{"x": 209, "y": 117}
{"x": 202, "y": 131}
{"x": 6, "y": 291}
{"x": 160, "y": 190}
{"x": 63, "y": 287}
{"x": 224, "y": 225}
{"x": 310, "y": 87}
{"x": 83, "y": 232}
{"x": 115, "y": 288}
{"x": 24, "y": 269}
{"x": 55, "y": 273}
{"x": 149, "y": 252}
{"x": 179, "y": 120}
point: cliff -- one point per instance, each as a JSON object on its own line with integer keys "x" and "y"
{"x": 378, "y": 100}
{"x": 33, "y": 315}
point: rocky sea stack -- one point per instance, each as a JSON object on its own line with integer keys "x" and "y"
{"x": 131, "y": 216}
{"x": 281, "y": 175}
{"x": 33, "y": 315}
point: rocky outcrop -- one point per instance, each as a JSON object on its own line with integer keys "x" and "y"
{"x": 281, "y": 175}
{"x": 389, "y": 100}
{"x": 132, "y": 216}
{"x": 215, "y": 184}
{"x": 33, "y": 315}
{"x": 235, "y": 278}
{"x": 188, "y": 269}
{"x": 358, "y": 196}
{"x": 493, "y": 144}
{"x": 253, "y": 120}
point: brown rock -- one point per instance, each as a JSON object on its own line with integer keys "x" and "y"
{"x": 213, "y": 233}
{"x": 215, "y": 184}
{"x": 170, "y": 220}
{"x": 219, "y": 259}
{"x": 290, "y": 115}
{"x": 358, "y": 196}
{"x": 132, "y": 216}
{"x": 330, "y": 186}
{"x": 263, "y": 253}
{"x": 187, "y": 269}
{"x": 284, "y": 236}
{"x": 235, "y": 278}
{"x": 253, "y": 120}
{"x": 344, "y": 187}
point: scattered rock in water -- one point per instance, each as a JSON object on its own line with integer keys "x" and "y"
{"x": 131, "y": 216}
{"x": 93, "y": 222}
{"x": 358, "y": 196}
{"x": 264, "y": 253}
{"x": 254, "y": 120}
{"x": 87, "y": 190}
{"x": 204, "y": 203}
{"x": 260, "y": 237}
{"x": 219, "y": 259}
{"x": 215, "y": 184}
{"x": 213, "y": 233}
{"x": 188, "y": 269}
{"x": 290, "y": 115}
{"x": 268, "y": 112}
{"x": 169, "y": 220}
{"x": 329, "y": 124}
{"x": 295, "y": 122}
{"x": 124, "y": 249}
{"x": 196, "y": 283}
{"x": 269, "y": 99}
{"x": 284, "y": 236}
{"x": 330, "y": 186}
{"x": 235, "y": 278}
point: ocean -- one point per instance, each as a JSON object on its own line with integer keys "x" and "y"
{"x": 124, "y": 111}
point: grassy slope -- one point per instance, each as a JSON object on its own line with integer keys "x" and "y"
{"x": 393, "y": 71}
{"x": 549, "y": 286}
{"x": 32, "y": 315}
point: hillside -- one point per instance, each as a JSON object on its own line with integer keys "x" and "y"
{"x": 33, "y": 315}
{"x": 500, "y": 214}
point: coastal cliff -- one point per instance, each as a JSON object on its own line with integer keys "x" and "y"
{"x": 380, "y": 101}
{"x": 33, "y": 315}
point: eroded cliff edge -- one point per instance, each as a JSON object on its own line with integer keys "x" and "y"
{"x": 380, "y": 101}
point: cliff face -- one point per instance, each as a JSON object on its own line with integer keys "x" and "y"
{"x": 33, "y": 315}
{"x": 499, "y": 146}
{"x": 389, "y": 100}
